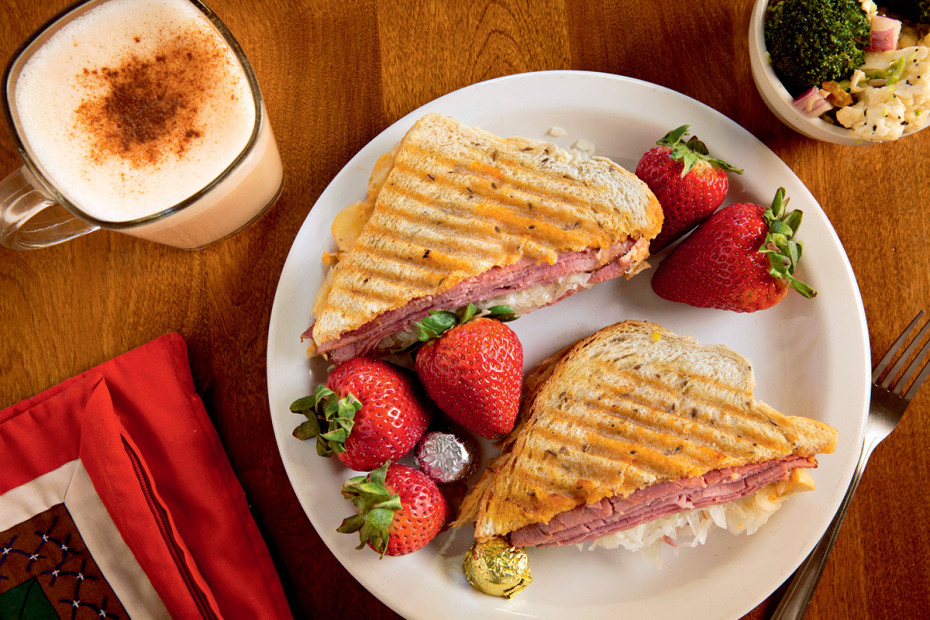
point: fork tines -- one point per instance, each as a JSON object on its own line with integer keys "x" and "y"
{"x": 891, "y": 380}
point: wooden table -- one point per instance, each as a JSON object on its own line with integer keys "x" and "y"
{"x": 336, "y": 73}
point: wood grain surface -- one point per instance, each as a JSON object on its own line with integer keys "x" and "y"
{"x": 334, "y": 74}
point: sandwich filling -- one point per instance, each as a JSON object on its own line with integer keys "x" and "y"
{"x": 590, "y": 522}
{"x": 525, "y": 286}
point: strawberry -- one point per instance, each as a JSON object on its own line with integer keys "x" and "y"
{"x": 689, "y": 184}
{"x": 373, "y": 411}
{"x": 472, "y": 367}
{"x": 742, "y": 259}
{"x": 399, "y": 509}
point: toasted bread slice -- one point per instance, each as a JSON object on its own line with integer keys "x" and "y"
{"x": 459, "y": 201}
{"x": 630, "y": 406}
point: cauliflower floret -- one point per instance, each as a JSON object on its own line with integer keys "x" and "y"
{"x": 883, "y": 114}
{"x": 851, "y": 116}
{"x": 886, "y": 111}
{"x": 857, "y": 82}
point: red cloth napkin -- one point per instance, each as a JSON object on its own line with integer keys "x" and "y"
{"x": 155, "y": 460}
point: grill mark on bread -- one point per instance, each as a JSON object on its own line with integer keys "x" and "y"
{"x": 655, "y": 384}
{"x": 521, "y": 184}
{"x": 636, "y": 429}
{"x": 611, "y": 450}
{"x": 628, "y": 458}
{"x": 706, "y": 422}
{"x": 406, "y": 265}
{"x": 456, "y": 226}
{"x": 694, "y": 446}
{"x": 478, "y": 230}
{"x": 462, "y": 232}
{"x": 382, "y": 292}
{"x": 512, "y": 210}
{"x": 476, "y": 233}
{"x": 505, "y": 173}
{"x": 495, "y": 281}
{"x": 445, "y": 256}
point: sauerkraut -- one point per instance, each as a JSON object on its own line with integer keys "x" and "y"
{"x": 690, "y": 528}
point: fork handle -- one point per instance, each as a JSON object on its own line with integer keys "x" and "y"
{"x": 797, "y": 598}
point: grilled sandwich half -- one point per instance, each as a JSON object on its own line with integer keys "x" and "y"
{"x": 455, "y": 214}
{"x": 633, "y": 426}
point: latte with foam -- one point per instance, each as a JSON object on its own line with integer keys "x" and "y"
{"x": 137, "y": 105}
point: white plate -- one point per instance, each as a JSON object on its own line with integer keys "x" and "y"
{"x": 811, "y": 358}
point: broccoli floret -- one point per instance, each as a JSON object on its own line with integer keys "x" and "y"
{"x": 913, "y": 10}
{"x": 811, "y": 41}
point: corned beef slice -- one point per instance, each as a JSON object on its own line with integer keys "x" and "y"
{"x": 522, "y": 275}
{"x": 614, "y": 514}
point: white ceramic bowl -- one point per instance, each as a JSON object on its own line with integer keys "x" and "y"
{"x": 777, "y": 97}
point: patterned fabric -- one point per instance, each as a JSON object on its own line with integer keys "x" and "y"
{"x": 47, "y": 572}
{"x": 160, "y": 472}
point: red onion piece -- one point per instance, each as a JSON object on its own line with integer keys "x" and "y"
{"x": 885, "y": 33}
{"x": 812, "y": 102}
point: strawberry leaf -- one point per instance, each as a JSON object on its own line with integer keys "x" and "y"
{"x": 782, "y": 250}
{"x": 434, "y": 325}
{"x": 801, "y": 287}
{"x": 306, "y": 406}
{"x": 691, "y": 152}
{"x": 305, "y": 403}
{"x": 376, "y": 506}
{"x": 324, "y": 449}
{"x": 336, "y": 439}
{"x": 351, "y": 524}
{"x": 794, "y": 253}
{"x": 673, "y": 137}
{"x": 322, "y": 409}
{"x": 380, "y": 518}
{"x": 308, "y": 429}
{"x": 793, "y": 220}
{"x": 697, "y": 146}
{"x": 467, "y": 313}
{"x": 378, "y": 476}
{"x": 778, "y": 227}
{"x": 440, "y": 321}
{"x": 372, "y": 489}
{"x": 502, "y": 313}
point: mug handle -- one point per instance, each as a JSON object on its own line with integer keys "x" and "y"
{"x": 29, "y": 220}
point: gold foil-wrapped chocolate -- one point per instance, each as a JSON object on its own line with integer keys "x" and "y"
{"x": 496, "y": 568}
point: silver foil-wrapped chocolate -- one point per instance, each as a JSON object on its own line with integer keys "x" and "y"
{"x": 446, "y": 456}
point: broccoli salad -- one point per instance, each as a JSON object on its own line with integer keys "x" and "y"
{"x": 892, "y": 94}
{"x": 852, "y": 66}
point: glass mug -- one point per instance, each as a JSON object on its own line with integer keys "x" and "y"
{"x": 140, "y": 117}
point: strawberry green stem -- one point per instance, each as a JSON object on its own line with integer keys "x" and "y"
{"x": 376, "y": 506}
{"x": 324, "y": 407}
{"x": 440, "y": 321}
{"x": 782, "y": 250}
{"x": 692, "y": 151}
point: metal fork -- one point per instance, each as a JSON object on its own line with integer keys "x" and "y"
{"x": 887, "y": 405}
